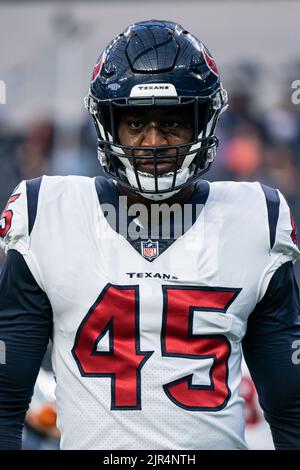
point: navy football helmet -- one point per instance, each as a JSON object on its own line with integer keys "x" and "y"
{"x": 156, "y": 63}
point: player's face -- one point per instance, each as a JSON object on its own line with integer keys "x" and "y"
{"x": 155, "y": 128}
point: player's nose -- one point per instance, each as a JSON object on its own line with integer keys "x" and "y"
{"x": 154, "y": 136}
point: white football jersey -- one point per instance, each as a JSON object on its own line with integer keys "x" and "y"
{"x": 147, "y": 352}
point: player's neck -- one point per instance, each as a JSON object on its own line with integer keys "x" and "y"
{"x": 134, "y": 198}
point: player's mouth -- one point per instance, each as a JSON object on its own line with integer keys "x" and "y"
{"x": 163, "y": 166}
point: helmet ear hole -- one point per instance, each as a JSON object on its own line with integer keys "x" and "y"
{"x": 117, "y": 119}
{"x": 105, "y": 118}
{"x": 205, "y": 113}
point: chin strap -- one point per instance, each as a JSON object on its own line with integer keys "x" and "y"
{"x": 159, "y": 196}
{"x": 163, "y": 183}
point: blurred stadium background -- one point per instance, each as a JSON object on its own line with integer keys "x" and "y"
{"x": 47, "y": 52}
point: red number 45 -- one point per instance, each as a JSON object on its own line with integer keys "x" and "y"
{"x": 116, "y": 313}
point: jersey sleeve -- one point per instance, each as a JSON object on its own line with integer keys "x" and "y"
{"x": 271, "y": 351}
{"x": 285, "y": 243}
{"x": 25, "y": 329}
{"x": 14, "y": 233}
{"x": 25, "y": 314}
{"x": 273, "y": 328}
{"x": 282, "y": 236}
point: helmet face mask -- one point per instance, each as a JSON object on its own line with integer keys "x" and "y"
{"x": 177, "y": 84}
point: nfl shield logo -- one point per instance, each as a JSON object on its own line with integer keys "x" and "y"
{"x": 149, "y": 250}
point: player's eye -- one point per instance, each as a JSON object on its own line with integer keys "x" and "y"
{"x": 171, "y": 124}
{"x": 135, "y": 124}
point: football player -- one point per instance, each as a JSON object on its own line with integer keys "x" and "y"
{"x": 147, "y": 327}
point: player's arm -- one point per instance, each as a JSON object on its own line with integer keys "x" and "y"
{"x": 273, "y": 332}
{"x": 25, "y": 323}
{"x": 272, "y": 335}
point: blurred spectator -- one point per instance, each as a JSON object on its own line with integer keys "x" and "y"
{"x": 243, "y": 152}
{"x": 282, "y": 124}
{"x": 9, "y": 142}
{"x": 40, "y": 432}
{"x": 278, "y": 170}
{"x": 240, "y": 111}
{"x": 71, "y": 157}
{"x": 34, "y": 154}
